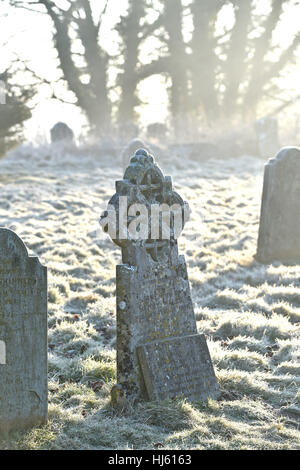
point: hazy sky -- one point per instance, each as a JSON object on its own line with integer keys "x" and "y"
{"x": 28, "y": 35}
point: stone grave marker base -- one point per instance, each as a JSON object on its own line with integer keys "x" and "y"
{"x": 179, "y": 366}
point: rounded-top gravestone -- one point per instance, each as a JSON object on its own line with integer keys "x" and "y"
{"x": 61, "y": 132}
{"x": 23, "y": 336}
{"x": 279, "y": 230}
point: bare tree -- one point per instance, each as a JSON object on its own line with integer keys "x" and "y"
{"x": 263, "y": 72}
{"x": 177, "y": 63}
{"x": 235, "y": 66}
{"x": 235, "y": 86}
{"x": 129, "y": 29}
{"x": 203, "y": 59}
{"x": 215, "y": 75}
{"x": 14, "y": 110}
{"x": 134, "y": 30}
{"x": 91, "y": 95}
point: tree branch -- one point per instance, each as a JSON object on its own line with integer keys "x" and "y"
{"x": 284, "y": 106}
{"x": 158, "y": 66}
{"x": 102, "y": 14}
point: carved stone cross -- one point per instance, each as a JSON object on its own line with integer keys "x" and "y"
{"x": 164, "y": 212}
{"x": 159, "y": 352}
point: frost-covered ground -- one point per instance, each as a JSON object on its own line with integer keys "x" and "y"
{"x": 249, "y": 312}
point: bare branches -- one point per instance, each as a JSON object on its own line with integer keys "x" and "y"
{"x": 155, "y": 67}
{"x": 211, "y": 75}
{"x": 42, "y": 80}
{"x": 284, "y": 105}
{"x": 235, "y": 65}
{"x": 101, "y": 16}
{"x": 149, "y": 29}
{"x": 261, "y": 47}
{"x": 20, "y": 4}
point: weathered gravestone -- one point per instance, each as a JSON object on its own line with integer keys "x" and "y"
{"x": 23, "y": 336}
{"x": 159, "y": 352}
{"x": 279, "y": 231}
{"x": 157, "y": 130}
{"x": 267, "y": 136}
{"x": 61, "y": 132}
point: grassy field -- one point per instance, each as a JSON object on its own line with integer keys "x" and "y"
{"x": 249, "y": 312}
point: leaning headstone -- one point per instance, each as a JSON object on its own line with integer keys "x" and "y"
{"x": 61, "y": 132}
{"x": 23, "y": 336}
{"x": 279, "y": 231}
{"x": 267, "y": 136}
{"x": 159, "y": 351}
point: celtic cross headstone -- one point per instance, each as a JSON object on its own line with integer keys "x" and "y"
{"x": 159, "y": 351}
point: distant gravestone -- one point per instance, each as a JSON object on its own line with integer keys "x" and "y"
{"x": 159, "y": 352}
{"x": 23, "y": 336}
{"x": 128, "y": 130}
{"x": 61, "y": 132}
{"x": 267, "y": 136}
{"x": 279, "y": 231}
{"x": 157, "y": 130}
{"x": 196, "y": 151}
{"x": 130, "y": 150}
{"x": 107, "y": 147}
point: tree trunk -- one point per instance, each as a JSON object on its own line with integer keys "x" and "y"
{"x": 92, "y": 98}
{"x": 236, "y": 65}
{"x": 177, "y": 64}
{"x": 258, "y": 66}
{"x": 99, "y": 106}
{"x": 204, "y": 59}
{"x": 129, "y": 29}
